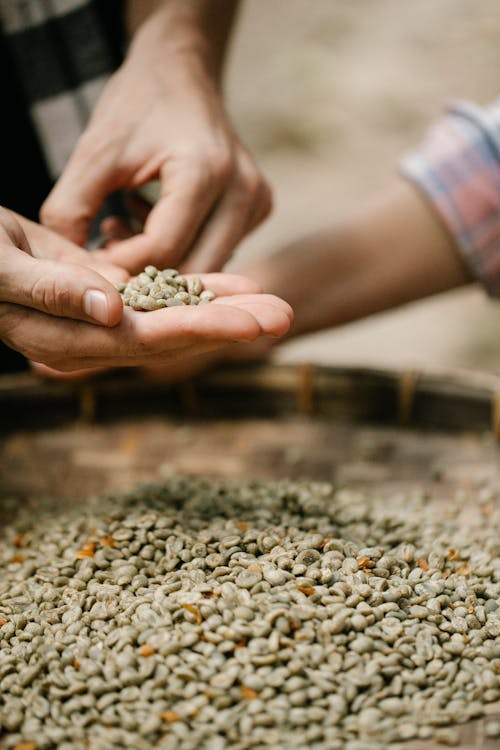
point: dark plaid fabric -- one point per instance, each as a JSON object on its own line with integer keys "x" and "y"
{"x": 61, "y": 52}
{"x": 55, "y": 57}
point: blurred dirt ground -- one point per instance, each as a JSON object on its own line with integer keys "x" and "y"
{"x": 328, "y": 94}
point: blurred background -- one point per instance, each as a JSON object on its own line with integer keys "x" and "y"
{"x": 328, "y": 95}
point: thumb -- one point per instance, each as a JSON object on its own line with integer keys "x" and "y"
{"x": 77, "y": 197}
{"x": 66, "y": 290}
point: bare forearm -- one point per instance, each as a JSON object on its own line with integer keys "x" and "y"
{"x": 200, "y": 28}
{"x": 388, "y": 253}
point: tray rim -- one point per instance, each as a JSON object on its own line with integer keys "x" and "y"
{"x": 442, "y": 399}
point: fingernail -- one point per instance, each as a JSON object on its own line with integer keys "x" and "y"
{"x": 95, "y": 305}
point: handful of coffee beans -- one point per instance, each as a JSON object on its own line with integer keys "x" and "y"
{"x": 153, "y": 289}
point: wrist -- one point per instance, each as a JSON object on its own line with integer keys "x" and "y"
{"x": 179, "y": 66}
{"x": 184, "y": 34}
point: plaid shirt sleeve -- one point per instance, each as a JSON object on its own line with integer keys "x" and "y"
{"x": 62, "y": 53}
{"x": 457, "y": 168}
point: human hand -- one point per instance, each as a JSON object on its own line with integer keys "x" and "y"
{"x": 193, "y": 367}
{"x": 41, "y": 281}
{"x": 168, "y": 124}
{"x": 48, "y": 245}
{"x": 47, "y": 314}
{"x": 239, "y": 313}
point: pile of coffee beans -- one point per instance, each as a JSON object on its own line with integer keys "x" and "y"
{"x": 153, "y": 289}
{"x": 200, "y": 613}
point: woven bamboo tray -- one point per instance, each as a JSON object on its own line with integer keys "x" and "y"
{"x": 350, "y": 426}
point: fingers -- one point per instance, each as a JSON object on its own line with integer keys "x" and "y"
{"x": 112, "y": 273}
{"x": 62, "y": 289}
{"x": 90, "y": 175}
{"x": 172, "y": 224}
{"x": 246, "y": 203}
{"x": 68, "y": 345}
{"x": 142, "y": 338}
{"x": 226, "y": 284}
{"x": 47, "y": 245}
{"x": 272, "y": 313}
{"x": 68, "y": 253}
{"x": 199, "y": 218}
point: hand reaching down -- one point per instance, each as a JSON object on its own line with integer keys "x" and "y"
{"x": 162, "y": 118}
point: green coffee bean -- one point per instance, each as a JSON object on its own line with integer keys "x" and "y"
{"x": 153, "y": 289}
{"x": 201, "y": 610}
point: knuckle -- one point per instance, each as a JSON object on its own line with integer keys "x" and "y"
{"x": 50, "y": 213}
{"x": 251, "y": 183}
{"x": 50, "y": 296}
{"x": 211, "y": 170}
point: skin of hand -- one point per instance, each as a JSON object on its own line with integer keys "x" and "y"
{"x": 66, "y": 316}
{"x": 51, "y": 286}
{"x": 161, "y": 118}
{"x": 390, "y": 251}
{"x": 240, "y": 313}
{"x": 48, "y": 245}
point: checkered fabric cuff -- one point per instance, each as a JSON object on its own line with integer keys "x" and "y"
{"x": 62, "y": 58}
{"x": 457, "y": 168}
